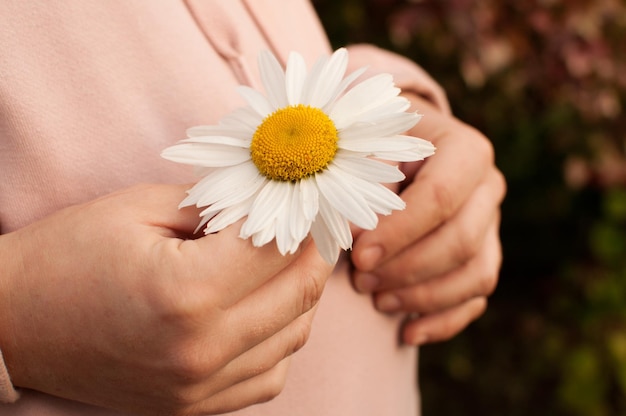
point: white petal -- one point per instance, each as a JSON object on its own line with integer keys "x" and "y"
{"x": 386, "y": 204}
{"x": 336, "y": 224}
{"x": 202, "y": 223}
{"x": 411, "y": 155}
{"x": 294, "y": 246}
{"x": 207, "y": 155}
{"x": 379, "y": 198}
{"x": 330, "y": 78}
{"x": 265, "y": 207}
{"x": 256, "y": 100}
{"x": 246, "y": 191}
{"x": 264, "y": 236}
{"x": 369, "y": 94}
{"x": 421, "y": 150}
{"x": 310, "y": 198}
{"x": 392, "y": 125}
{"x": 345, "y": 83}
{"x": 325, "y": 242}
{"x": 273, "y": 79}
{"x": 368, "y": 169}
{"x": 229, "y": 216}
{"x": 295, "y": 78}
{"x": 299, "y": 224}
{"x": 284, "y": 240}
{"x": 220, "y": 184}
{"x": 385, "y": 110}
{"x": 312, "y": 79}
{"x": 379, "y": 144}
{"x": 282, "y": 215}
{"x": 345, "y": 199}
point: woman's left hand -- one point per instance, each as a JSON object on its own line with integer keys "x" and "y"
{"x": 439, "y": 259}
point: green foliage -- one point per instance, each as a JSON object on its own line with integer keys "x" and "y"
{"x": 546, "y": 82}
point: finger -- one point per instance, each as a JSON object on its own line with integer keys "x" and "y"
{"x": 446, "y": 248}
{"x": 157, "y": 205}
{"x": 200, "y": 264}
{"x": 209, "y": 262}
{"x": 259, "y": 331}
{"x": 478, "y": 277}
{"x": 442, "y": 185}
{"x": 442, "y": 326}
{"x": 273, "y": 306}
{"x": 260, "y": 358}
{"x": 259, "y": 389}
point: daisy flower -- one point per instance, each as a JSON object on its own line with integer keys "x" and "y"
{"x": 305, "y": 157}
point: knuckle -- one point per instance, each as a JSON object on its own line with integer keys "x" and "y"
{"x": 467, "y": 244}
{"x": 500, "y": 182}
{"x": 488, "y": 267}
{"x": 273, "y": 385}
{"x": 259, "y": 369}
{"x": 444, "y": 199}
{"x": 488, "y": 284}
{"x": 301, "y": 332}
{"x": 311, "y": 290}
{"x": 486, "y": 148}
{"x": 259, "y": 330}
{"x": 480, "y": 307}
{"x": 424, "y": 300}
{"x": 190, "y": 366}
{"x": 182, "y": 399}
{"x": 182, "y": 306}
{"x": 483, "y": 147}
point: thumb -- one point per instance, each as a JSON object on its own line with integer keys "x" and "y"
{"x": 158, "y": 205}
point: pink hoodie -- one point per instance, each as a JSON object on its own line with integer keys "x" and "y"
{"x": 90, "y": 93}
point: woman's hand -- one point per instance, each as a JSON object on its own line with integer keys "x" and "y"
{"x": 110, "y": 303}
{"x": 439, "y": 259}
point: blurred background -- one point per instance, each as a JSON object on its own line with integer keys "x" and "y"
{"x": 545, "y": 80}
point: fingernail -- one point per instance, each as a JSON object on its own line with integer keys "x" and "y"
{"x": 370, "y": 257}
{"x": 366, "y": 282}
{"x": 388, "y": 302}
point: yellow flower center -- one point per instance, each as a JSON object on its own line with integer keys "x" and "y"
{"x": 293, "y": 143}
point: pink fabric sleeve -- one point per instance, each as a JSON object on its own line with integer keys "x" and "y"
{"x": 407, "y": 75}
{"x": 7, "y": 392}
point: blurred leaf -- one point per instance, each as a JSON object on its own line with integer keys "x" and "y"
{"x": 617, "y": 347}
{"x": 583, "y": 387}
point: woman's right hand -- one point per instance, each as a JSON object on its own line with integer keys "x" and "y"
{"x": 110, "y": 303}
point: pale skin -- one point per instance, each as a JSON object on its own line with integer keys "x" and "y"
{"x": 439, "y": 259}
{"x": 108, "y": 303}
{"x": 155, "y": 322}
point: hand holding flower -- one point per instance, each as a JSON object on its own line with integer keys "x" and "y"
{"x": 117, "y": 307}
{"x": 439, "y": 259}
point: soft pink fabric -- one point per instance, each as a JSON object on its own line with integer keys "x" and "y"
{"x": 91, "y": 91}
